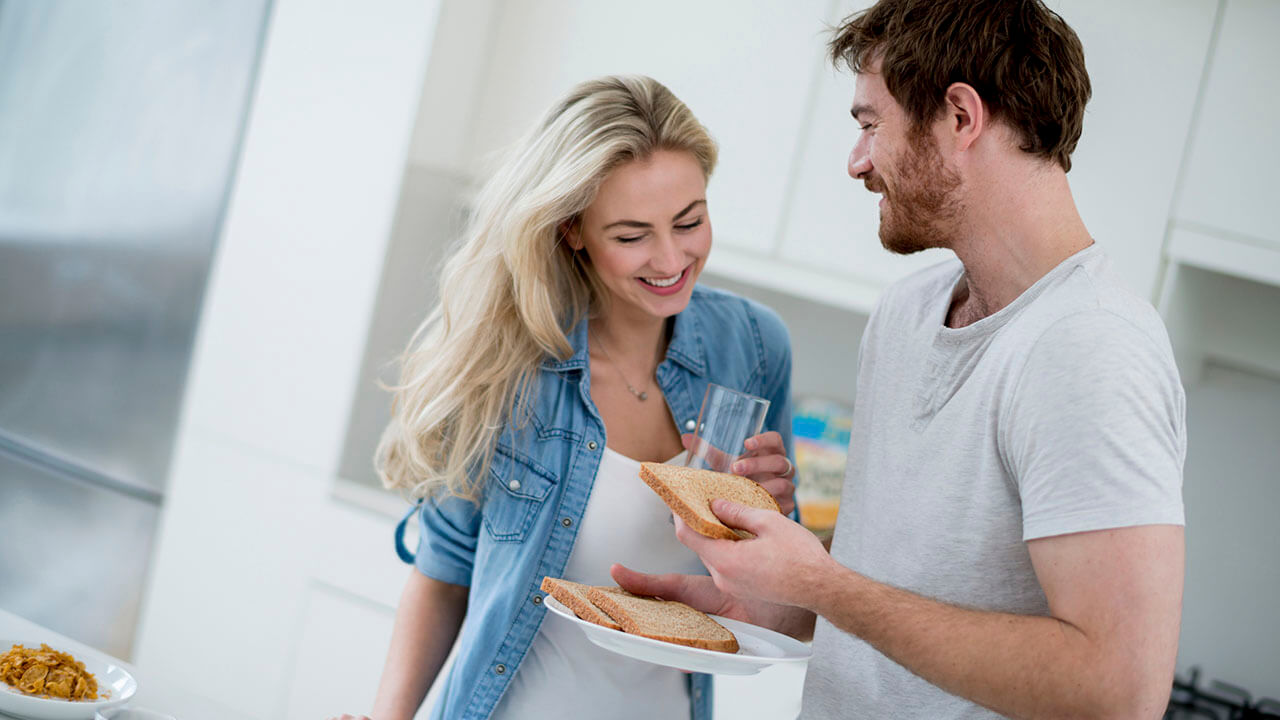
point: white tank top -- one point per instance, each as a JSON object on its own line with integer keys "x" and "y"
{"x": 564, "y": 674}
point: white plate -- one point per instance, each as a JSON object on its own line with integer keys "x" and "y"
{"x": 111, "y": 677}
{"x": 758, "y": 647}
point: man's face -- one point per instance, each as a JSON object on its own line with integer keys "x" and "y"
{"x": 920, "y": 206}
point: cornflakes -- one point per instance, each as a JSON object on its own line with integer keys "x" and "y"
{"x": 48, "y": 673}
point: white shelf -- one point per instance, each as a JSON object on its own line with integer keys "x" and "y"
{"x": 1223, "y": 252}
{"x": 779, "y": 275}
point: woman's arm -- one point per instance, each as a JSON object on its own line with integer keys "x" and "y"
{"x": 427, "y": 623}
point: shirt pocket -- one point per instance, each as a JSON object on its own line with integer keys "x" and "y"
{"x": 517, "y": 487}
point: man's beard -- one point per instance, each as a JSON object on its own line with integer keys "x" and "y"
{"x": 923, "y": 206}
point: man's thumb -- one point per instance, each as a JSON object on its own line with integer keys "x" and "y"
{"x": 742, "y": 517}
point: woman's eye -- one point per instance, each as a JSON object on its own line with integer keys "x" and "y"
{"x": 690, "y": 226}
{"x": 630, "y": 239}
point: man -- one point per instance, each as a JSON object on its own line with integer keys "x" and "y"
{"x": 1010, "y": 538}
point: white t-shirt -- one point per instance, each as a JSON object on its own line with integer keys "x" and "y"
{"x": 1060, "y": 413}
{"x": 565, "y": 675}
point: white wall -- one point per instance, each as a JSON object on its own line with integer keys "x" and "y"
{"x": 258, "y": 566}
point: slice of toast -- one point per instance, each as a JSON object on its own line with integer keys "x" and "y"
{"x": 665, "y": 620}
{"x": 689, "y": 493}
{"x": 574, "y": 596}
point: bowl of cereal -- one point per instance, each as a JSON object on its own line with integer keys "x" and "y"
{"x": 39, "y": 682}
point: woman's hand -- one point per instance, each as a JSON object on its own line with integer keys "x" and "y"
{"x": 766, "y": 462}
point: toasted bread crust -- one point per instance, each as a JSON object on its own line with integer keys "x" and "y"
{"x": 642, "y": 616}
{"x": 729, "y": 487}
{"x": 574, "y": 596}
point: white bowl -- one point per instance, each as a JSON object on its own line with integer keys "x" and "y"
{"x": 111, "y": 678}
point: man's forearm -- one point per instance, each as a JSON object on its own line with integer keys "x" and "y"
{"x": 1018, "y": 665}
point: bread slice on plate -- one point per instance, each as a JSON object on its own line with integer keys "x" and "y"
{"x": 574, "y": 596}
{"x": 665, "y": 620}
{"x": 689, "y": 493}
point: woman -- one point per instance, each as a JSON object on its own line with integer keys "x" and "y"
{"x": 570, "y": 343}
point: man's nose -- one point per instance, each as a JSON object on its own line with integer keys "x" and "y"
{"x": 859, "y": 161}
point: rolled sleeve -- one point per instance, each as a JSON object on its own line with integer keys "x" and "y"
{"x": 448, "y": 529}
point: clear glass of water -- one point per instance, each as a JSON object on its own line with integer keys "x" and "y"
{"x": 727, "y": 419}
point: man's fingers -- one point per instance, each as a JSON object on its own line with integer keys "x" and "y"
{"x": 688, "y": 589}
{"x": 737, "y": 515}
{"x": 638, "y": 582}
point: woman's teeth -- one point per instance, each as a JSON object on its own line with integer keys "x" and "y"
{"x": 663, "y": 282}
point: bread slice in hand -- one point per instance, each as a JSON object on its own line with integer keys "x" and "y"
{"x": 689, "y": 493}
{"x": 666, "y": 620}
{"x": 574, "y": 596}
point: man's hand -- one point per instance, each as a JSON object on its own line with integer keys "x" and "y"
{"x": 776, "y": 566}
{"x": 700, "y": 592}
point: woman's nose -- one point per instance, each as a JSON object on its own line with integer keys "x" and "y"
{"x": 668, "y": 257}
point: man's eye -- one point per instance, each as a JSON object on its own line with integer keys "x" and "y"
{"x": 864, "y": 127}
{"x": 690, "y": 226}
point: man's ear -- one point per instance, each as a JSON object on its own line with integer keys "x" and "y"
{"x": 571, "y": 232}
{"x": 966, "y": 115}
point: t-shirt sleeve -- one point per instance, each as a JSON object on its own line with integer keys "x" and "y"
{"x": 448, "y": 528}
{"x": 1094, "y": 434}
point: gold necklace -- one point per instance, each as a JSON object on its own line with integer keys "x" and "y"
{"x": 640, "y": 394}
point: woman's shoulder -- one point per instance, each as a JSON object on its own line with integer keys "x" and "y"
{"x": 721, "y": 312}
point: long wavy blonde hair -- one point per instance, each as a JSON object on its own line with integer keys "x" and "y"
{"x": 513, "y": 288}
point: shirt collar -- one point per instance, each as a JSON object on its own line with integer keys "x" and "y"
{"x": 685, "y": 348}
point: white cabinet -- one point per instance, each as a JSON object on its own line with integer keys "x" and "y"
{"x": 1145, "y": 61}
{"x": 1231, "y": 171}
{"x": 743, "y": 69}
{"x": 1227, "y": 216}
{"x": 1144, "y": 58}
{"x": 832, "y": 224}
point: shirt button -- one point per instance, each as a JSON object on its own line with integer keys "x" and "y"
{"x": 592, "y": 445}
{"x": 514, "y": 484}
{"x": 567, "y": 522}
{"x": 537, "y": 599}
{"x": 690, "y": 425}
{"x": 500, "y": 668}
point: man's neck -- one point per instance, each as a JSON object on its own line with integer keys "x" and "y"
{"x": 1018, "y": 227}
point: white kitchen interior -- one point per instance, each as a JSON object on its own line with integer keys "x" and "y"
{"x": 272, "y": 582}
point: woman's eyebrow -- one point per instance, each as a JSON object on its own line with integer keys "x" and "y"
{"x": 687, "y": 208}
{"x": 638, "y": 224}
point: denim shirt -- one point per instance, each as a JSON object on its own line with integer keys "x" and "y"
{"x": 541, "y": 476}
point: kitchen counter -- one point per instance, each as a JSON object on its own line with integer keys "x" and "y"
{"x": 150, "y": 695}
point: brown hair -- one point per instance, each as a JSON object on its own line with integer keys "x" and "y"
{"x": 1022, "y": 58}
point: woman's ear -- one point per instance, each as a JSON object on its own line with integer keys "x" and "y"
{"x": 571, "y": 233}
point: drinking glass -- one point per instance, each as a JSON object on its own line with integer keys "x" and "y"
{"x": 727, "y": 419}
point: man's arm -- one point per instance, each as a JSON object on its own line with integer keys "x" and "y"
{"x": 1106, "y": 650}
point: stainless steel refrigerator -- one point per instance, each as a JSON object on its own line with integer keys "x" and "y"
{"x": 120, "y": 123}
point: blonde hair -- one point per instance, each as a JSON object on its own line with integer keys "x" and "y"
{"x": 513, "y": 288}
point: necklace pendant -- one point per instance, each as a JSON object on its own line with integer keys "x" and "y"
{"x": 643, "y": 395}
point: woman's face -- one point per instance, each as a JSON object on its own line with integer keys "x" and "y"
{"x": 648, "y": 233}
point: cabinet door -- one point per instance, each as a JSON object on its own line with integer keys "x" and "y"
{"x": 1231, "y": 172}
{"x": 743, "y": 69}
{"x": 1144, "y": 59}
{"x": 833, "y": 222}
